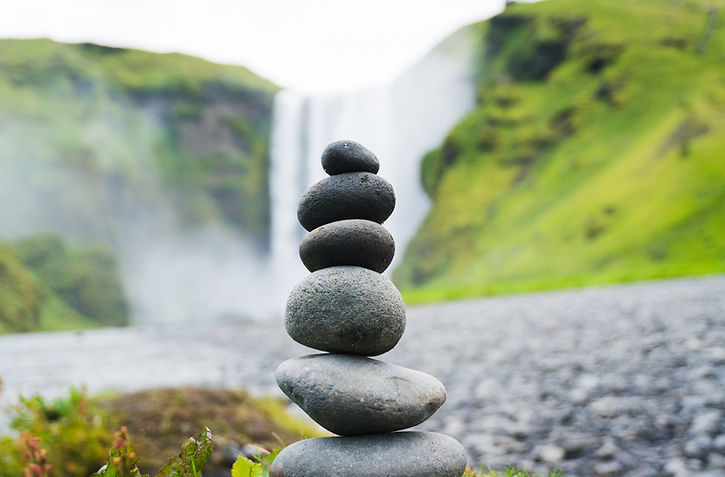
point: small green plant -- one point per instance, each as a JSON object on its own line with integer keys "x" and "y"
{"x": 121, "y": 458}
{"x": 257, "y": 467}
{"x": 244, "y": 467}
{"x": 123, "y": 462}
{"x": 194, "y": 455}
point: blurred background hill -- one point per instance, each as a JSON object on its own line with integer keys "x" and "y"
{"x": 121, "y": 149}
{"x": 585, "y": 146}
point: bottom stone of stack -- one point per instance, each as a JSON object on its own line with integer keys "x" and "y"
{"x": 399, "y": 454}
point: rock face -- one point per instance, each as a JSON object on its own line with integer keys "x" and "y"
{"x": 354, "y": 195}
{"x": 348, "y": 308}
{"x": 400, "y": 454}
{"x": 362, "y": 243}
{"x": 328, "y": 388}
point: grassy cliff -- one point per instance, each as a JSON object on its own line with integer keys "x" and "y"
{"x": 20, "y": 294}
{"x": 594, "y": 155}
{"x": 92, "y": 135}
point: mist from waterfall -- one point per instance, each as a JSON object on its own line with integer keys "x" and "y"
{"x": 399, "y": 122}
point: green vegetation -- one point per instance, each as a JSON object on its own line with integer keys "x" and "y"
{"x": 20, "y": 294}
{"x": 86, "y": 278}
{"x": 70, "y": 437}
{"x": 46, "y": 284}
{"x": 94, "y": 136}
{"x": 594, "y": 155}
{"x": 74, "y": 432}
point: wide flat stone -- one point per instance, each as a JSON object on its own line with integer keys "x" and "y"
{"x": 346, "y": 310}
{"x": 354, "y": 195}
{"x": 348, "y": 156}
{"x": 357, "y": 242}
{"x": 400, "y": 454}
{"x": 351, "y": 395}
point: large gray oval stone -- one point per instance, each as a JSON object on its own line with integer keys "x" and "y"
{"x": 350, "y": 395}
{"x": 400, "y": 454}
{"x": 357, "y": 242}
{"x": 346, "y": 310}
{"x": 348, "y": 156}
{"x": 354, "y": 195}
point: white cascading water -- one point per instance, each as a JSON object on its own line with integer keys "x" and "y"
{"x": 399, "y": 122}
{"x": 287, "y": 167}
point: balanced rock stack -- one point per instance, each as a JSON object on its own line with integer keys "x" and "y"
{"x": 347, "y": 308}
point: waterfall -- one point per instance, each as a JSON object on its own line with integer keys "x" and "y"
{"x": 399, "y": 121}
{"x": 287, "y": 151}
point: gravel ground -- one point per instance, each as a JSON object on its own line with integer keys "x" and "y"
{"x": 626, "y": 380}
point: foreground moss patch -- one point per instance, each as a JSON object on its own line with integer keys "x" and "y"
{"x": 159, "y": 419}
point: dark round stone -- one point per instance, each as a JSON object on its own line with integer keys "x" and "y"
{"x": 355, "y": 195}
{"x": 348, "y": 156}
{"x": 357, "y": 242}
{"x": 353, "y": 395}
{"x": 400, "y": 454}
{"x": 346, "y": 310}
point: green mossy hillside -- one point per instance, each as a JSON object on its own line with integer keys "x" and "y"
{"x": 86, "y": 278}
{"x": 21, "y": 295}
{"x": 47, "y": 284}
{"x": 595, "y": 153}
{"x": 97, "y": 139}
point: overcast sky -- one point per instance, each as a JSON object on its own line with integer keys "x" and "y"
{"x": 312, "y": 45}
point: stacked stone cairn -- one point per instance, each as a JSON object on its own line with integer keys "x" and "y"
{"x": 349, "y": 310}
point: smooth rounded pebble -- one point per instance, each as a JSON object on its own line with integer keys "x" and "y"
{"x": 348, "y": 156}
{"x": 354, "y": 195}
{"x": 346, "y": 310}
{"x": 350, "y": 395}
{"x": 357, "y": 242}
{"x": 400, "y": 454}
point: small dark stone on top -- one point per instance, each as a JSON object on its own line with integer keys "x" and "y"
{"x": 354, "y": 195}
{"x": 348, "y": 156}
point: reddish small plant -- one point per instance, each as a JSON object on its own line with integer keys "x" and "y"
{"x": 34, "y": 456}
{"x": 122, "y": 456}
